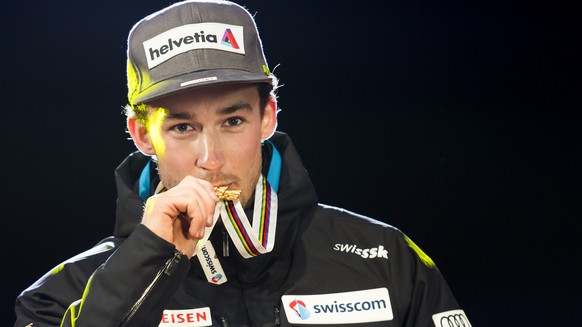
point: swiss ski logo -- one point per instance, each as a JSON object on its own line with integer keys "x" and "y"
{"x": 366, "y": 253}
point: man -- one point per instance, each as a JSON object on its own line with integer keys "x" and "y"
{"x": 202, "y": 112}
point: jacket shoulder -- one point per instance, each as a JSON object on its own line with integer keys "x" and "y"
{"x": 342, "y": 226}
{"x": 355, "y": 222}
{"x": 62, "y": 285}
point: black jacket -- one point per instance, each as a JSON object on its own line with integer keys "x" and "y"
{"x": 328, "y": 266}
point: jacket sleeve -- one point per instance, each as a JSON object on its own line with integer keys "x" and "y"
{"x": 422, "y": 286}
{"x": 131, "y": 288}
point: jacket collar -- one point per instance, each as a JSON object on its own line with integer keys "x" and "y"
{"x": 295, "y": 193}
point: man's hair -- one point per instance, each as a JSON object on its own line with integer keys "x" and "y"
{"x": 266, "y": 91}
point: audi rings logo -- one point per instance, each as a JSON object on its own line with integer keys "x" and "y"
{"x": 453, "y": 318}
{"x": 457, "y": 320}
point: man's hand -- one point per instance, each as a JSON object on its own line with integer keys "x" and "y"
{"x": 181, "y": 214}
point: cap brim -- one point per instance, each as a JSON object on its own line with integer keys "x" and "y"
{"x": 195, "y": 80}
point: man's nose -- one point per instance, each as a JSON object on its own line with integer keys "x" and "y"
{"x": 210, "y": 152}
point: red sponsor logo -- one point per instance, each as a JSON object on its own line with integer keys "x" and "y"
{"x": 189, "y": 317}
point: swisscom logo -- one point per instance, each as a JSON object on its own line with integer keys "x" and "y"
{"x": 347, "y": 307}
{"x": 192, "y": 37}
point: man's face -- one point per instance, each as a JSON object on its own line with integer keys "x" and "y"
{"x": 212, "y": 133}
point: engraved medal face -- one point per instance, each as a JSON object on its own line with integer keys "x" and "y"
{"x": 223, "y": 193}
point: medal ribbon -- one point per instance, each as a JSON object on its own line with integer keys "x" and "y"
{"x": 258, "y": 238}
{"x": 249, "y": 240}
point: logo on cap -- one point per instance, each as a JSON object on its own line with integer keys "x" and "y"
{"x": 229, "y": 40}
{"x": 189, "y": 37}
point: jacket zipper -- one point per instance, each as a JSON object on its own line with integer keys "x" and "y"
{"x": 277, "y": 316}
{"x": 167, "y": 270}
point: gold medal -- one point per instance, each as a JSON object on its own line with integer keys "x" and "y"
{"x": 224, "y": 194}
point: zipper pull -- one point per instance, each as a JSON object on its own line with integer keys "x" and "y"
{"x": 223, "y": 322}
{"x": 172, "y": 263}
{"x": 225, "y": 248}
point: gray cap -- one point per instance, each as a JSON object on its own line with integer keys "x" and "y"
{"x": 192, "y": 44}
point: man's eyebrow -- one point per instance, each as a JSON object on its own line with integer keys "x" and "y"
{"x": 234, "y": 108}
{"x": 223, "y": 111}
{"x": 179, "y": 115}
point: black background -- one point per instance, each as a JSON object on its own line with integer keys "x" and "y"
{"x": 458, "y": 122}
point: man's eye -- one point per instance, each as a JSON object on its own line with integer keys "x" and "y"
{"x": 234, "y": 121}
{"x": 182, "y": 128}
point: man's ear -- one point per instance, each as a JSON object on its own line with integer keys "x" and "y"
{"x": 141, "y": 137}
{"x": 269, "y": 122}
